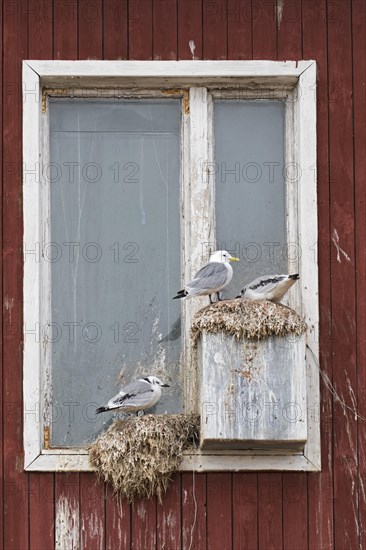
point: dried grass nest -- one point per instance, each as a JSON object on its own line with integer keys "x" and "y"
{"x": 255, "y": 319}
{"x": 138, "y": 455}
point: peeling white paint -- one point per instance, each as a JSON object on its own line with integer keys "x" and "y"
{"x": 279, "y": 11}
{"x": 192, "y": 47}
{"x": 352, "y": 395}
{"x": 195, "y": 510}
{"x": 67, "y": 525}
{"x": 94, "y": 527}
{"x": 330, "y": 531}
{"x": 348, "y": 430}
{"x": 335, "y": 239}
{"x": 362, "y": 488}
{"x": 9, "y": 304}
{"x": 141, "y": 511}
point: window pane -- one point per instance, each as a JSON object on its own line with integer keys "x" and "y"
{"x": 114, "y": 180}
{"x": 250, "y": 188}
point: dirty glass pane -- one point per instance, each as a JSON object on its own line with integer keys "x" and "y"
{"x": 114, "y": 256}
{"x": 250, "y": 187}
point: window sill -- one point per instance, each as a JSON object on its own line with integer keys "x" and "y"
{"x": 68, "y": 460}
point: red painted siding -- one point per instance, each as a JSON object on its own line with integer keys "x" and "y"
{"x": 293, "y": 511}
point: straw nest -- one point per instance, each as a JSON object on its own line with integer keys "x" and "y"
{"x": 245, "y": 318}
{"x": 139, "y": 455}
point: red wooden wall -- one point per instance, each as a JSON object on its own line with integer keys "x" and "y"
{"x": 294, "y": 511}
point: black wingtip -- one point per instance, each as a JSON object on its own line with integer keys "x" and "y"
{"x": 296, "y": 276}
{"x": 101, "y": 410}
{"x": 239, "y": 296}
{"x": 180, "y": 294}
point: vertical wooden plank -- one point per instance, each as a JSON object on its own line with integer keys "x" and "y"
{"x": 143, "y": 525}
{"x": 90, "y": 24}
{"x": 168, "y": 525}
{"x": 40, "y": 16}
{"x": 117, "y": 522}
{"x": 2, "y": 331}
{"x": 264, "y": 29}
{"x": 294, "y": 485}
{"x": 288, "y": 15}
{"x": 320, "y": 485}
{"x": 41, "y": 485}
{"x": 359, "y": 95}
{"x": 239, "y": 29}
{"x": 115, "y": 29}
{"x": 65, "y": 23}
{"x": 189, "y": 29}
{"x": 343, "y": 273}
{"x": 270, "y": 511}
{"x": 219, "y": 511}
{"x": 214, "y": 29}
{"x": 245, "y": 511}
{"x": 165, "y": 29}
{"x": 15, "y": 481}
{"x": 295, "y": 516}
{"x": 41, "y": 511}
{"x": 140, "y": 29}
{"x": 67, "y": 512}
{"x": 91, "y": 512}
{"x": 194, "y": 508}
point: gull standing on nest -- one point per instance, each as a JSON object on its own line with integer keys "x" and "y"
{"x": 137, "y": 396}
{"x": 211, "y": 278}
{"x": 268, "y": 287}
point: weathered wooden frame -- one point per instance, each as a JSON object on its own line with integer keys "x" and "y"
{"x": 196, "y": 82}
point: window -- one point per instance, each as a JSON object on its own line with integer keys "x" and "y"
{"x": 176, "y": 159}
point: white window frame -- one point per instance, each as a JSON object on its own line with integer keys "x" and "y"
{"x": 190, "y": 80}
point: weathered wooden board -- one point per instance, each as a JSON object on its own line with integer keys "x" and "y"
{"x": 15, "y": 483}
{"x": 342, "y": 218}
{"x": 359, "y": 83}
{"x": 253, "y": 393}
{"x": 189, "y": 29}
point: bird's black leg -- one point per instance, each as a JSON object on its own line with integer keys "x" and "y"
{"x": 218, "y": 297}
{"x": 211, "y": 302}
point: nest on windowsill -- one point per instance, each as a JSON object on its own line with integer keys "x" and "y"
{"x": 252, "y": 319}
{"x": 138, "y": 455}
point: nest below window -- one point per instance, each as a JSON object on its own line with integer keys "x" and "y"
{"x": 246, "y": 318}
{"x": 139, "y": 455}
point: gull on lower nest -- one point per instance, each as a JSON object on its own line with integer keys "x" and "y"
{"x": 211, "y": 278}
{"x": 137, "y": 396}
{"x": 268, "y": 287}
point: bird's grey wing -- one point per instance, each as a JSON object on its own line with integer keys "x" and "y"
{"x": 266, "y": 283}
{"x": 211, "y": 275}
{"x": 131, "y": 393}
{"x": 136, "y": 400}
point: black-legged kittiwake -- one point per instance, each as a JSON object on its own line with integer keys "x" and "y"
{"x": 211, "y": 278}
{"x": 268, "y": 287}
{"x": 136, "y": 396}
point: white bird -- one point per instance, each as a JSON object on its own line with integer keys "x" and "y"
{"x": 137, "y": 396}
{"x": 211, "y": 278}
{"x": 268, "y": 287}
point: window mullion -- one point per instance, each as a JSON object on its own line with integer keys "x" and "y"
{"x": 199, "y": 219}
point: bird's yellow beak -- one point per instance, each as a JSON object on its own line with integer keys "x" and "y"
{"x": 233, "y": 259}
